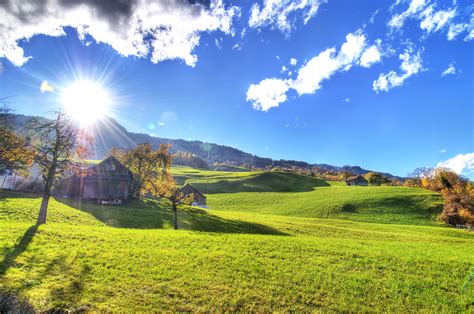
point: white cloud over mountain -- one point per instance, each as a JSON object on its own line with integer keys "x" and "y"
{"x": 162, "y": 29}
{"x": 280, "y": 14}
{"x": 461, "y": 164}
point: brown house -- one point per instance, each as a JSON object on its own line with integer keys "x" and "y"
{"x": 108, "y": 180}
{"x": 357, "y": 180}
{"x": 199, "y": 199}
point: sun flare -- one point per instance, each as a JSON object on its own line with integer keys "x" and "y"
{"x": 85, "y": 101}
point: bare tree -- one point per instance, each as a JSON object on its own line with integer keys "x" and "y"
{"x": 60, "y": 146}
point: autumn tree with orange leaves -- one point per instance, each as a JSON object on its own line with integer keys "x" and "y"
{"x": 457, "y": 193}
{"x": 15, "y": 155}
{"x": 151, "y": 169}
{"x": 60, "y": 147}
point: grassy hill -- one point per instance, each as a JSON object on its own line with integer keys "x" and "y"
{"x": 250, "y": 252}
{"x": 368, "y": 204}
{"x": 306, "y": 196}
{"x": 211, "y": 182}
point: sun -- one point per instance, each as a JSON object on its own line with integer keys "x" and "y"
{"x": 85, "y": 101}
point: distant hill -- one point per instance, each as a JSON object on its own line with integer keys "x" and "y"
{"x": 108, "y": 133}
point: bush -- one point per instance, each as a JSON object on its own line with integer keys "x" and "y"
{"x": 458, "y": 198}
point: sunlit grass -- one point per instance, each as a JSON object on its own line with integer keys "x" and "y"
{"x": 260, "y": 252}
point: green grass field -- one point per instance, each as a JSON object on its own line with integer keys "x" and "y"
{"x": 294, "y": 244}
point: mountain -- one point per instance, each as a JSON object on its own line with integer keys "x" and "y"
{"x": 108, "y": 133}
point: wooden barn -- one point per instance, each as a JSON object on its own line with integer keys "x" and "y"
{"x": 357, "y": 180}
{"x": 199, "y": 199}
{"x": 108, "y": 180}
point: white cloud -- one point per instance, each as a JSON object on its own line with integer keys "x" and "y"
{"x": 461, "y": 164}
{"x": 279, "y": 14}
{"x": 415, "y": 7}
{"x": 163, "y": 29}
{"x": 449, "y": 71}
{"x": 237, "y": 47}
{"x": 371, "y": 55}
{"x": 315, "y": 71}
{"x": 470, "y": 36}
{"x": 442, "y": 151}
{"x": 431, "y": 19}
{"x": 218, "y": 43}
{"x": 284, "y": 69}
{"x": 1, "y": 68}
{"x": 293, "y": 61}
{"x": 470, "y": 28}
{"x": 268, "y": 93}
{"x": 324, "y": 65}
{"x": 46, "y": 87}
{"x": 434, "y": 21}
{"x": 411, "y": 65}
{"x": 456, "y": 29}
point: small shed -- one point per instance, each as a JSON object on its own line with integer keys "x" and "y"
{"x": 199, "y": 199}
{"x": 357, "y": 180}
{"x": 108, "y": 180}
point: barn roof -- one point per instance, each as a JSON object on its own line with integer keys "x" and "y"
{"x": 356, "y": 178}
{"x": 188, "y": 189}
{"x": 126, "y": 174}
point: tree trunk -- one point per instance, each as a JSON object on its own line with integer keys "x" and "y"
{"x": 44, "y": 208}
{"x": 46, "y": 195}
{"x": 175, "y": 216}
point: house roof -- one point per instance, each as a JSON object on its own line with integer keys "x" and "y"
{"x": 109, "y": 176}
{"x": 357, "y": 177}
{"x": 188, "y": 187}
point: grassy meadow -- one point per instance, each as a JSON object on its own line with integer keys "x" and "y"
{"x": 269, "y": 242}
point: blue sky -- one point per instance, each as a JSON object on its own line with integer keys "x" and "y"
{"x": 386, "y": 85}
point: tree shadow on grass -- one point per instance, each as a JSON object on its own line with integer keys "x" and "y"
{"x": 63, "y": 298}
{"x": 67, "y": 297}
{"x": 393, "y": 210}
{"x": 421, "y": 206}
{"x": 157, "y": 214}
{"x": 263, "y": 182}
{"x": 4, "y": 194}
{"x": 11, "y": 255}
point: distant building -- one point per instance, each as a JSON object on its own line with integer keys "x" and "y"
{"x": 108, "y": 180}
{"x": 199, "y": 199}
{"x": 357, "y": 180}
{"x": 31, "y": 182}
